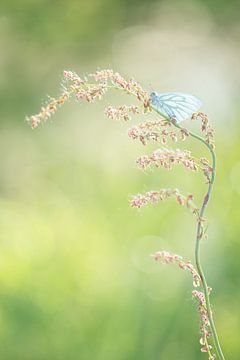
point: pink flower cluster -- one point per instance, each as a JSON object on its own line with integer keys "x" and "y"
{"x": 206, "y": 128}
{"x": 156, "y": 131}
{"x": 168, "y": 258}
{"x": 184, "y": 133}
{"x": 91, "y": 93}
{"x": 167, "y": 158}
{"x": 152, "y": 197}
{"x": 205, "y": 324}
{"x": 103, "y": 80}
{"x": 82, "y": 89}
{"x": 104, "y": 74}
{"x": 70, "y": 75}
{"x": 48, "y": 110}
{"x": 122, "y": 112}
{"x": 130, "y": 86}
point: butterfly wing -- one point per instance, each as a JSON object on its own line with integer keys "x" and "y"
{"x": 175, "y": 105}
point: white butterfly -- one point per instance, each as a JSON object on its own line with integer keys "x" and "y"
{"x": 176, "y": 106}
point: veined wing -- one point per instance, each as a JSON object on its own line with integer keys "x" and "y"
{"x": 175, "y": 105}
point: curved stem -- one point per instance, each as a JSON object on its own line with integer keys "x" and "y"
{"x": 198, "y": 242}
{"x": 199, "y": 237}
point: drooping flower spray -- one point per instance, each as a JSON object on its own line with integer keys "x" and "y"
{"x": 94, "y": 87}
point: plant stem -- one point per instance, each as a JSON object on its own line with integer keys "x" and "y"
{"x": 198, "y": 242}
{"x": 200, "y": 234}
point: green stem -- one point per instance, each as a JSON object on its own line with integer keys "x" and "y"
{"x": 198, "y": 242}
{"x": 199, "y": 237}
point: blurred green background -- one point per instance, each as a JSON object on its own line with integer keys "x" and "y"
{"x": 76, "y": 279}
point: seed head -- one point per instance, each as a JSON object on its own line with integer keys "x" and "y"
{"x": 168, "y": 257}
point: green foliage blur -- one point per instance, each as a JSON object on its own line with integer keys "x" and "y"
{"x": 76, "y": 278}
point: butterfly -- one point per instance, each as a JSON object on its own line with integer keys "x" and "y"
{"x": 175, "y": 106}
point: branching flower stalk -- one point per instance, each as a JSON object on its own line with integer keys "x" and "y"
{"x": 199, "y": 236}
{"x": 94, "y": 87}
{"x": 200, "y": 233}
